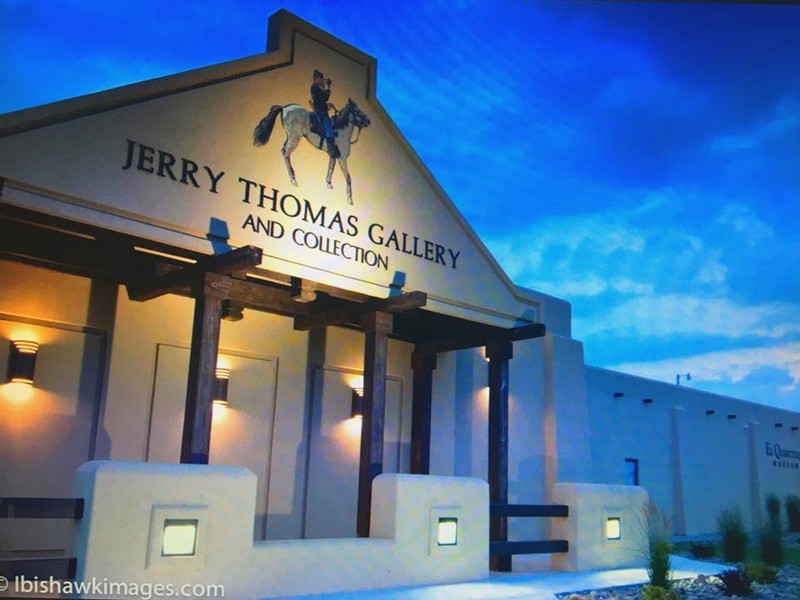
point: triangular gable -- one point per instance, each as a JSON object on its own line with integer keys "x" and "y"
{"x": 173, "y": 160}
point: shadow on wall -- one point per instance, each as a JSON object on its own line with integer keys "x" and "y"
{"x": 464, "y": 414}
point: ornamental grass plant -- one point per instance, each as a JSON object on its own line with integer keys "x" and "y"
{"x": 761, "y": 572}
{"x": 773, "y": 504}
{"x": 733, "y": 535}
{"x": 653, "y": 592}
{"x": 770, "y": 538}
{"x": 659, "y": 547}
{"x": 792, "y": 504}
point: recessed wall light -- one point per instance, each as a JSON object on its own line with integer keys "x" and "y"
{"x": 447, "y": 531}
{"x": 179, "y": 538}
{"x": 613, "y": 529}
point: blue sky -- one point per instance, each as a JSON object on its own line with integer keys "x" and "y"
{"x": 639, "y": 159}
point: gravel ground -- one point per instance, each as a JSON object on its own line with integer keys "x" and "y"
{"x": 708, "y": 588}
{"x": 704, "y": 588}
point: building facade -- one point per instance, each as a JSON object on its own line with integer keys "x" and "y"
{"x": 152, "y": 234}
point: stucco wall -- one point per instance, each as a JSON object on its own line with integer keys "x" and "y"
{"x": 47, "y": 430}
{"x": 698, "y": 452}
{"x": 459, "y": 424}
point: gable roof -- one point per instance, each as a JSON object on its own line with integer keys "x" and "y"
{"x": 172, "y": 160}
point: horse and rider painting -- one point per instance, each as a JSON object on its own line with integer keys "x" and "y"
{"x": 320, "y": 94}
{"x": 318, "y": 128}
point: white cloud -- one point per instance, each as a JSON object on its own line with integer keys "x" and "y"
{"x": 562, "y": 238}
{"x": 746, "y": 224}
{"x": 590, "y": 286}
{"x": 675, "y": 314}
{"x": 727, "y": 366}
{"x": 589, "y": 255}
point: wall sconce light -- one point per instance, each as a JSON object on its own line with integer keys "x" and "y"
{"x": 447, "y": 531}
{"x": 22, "y": 362}
{"x": 357, "y": 403}
{"x": 710, "y": 411}
{"x": 618, "y": 394}
{"x": 219, "y": 390}
{"x": 647, "y": 400}
{"x": 180, "y": 537}
{"x": 613, "y": 530}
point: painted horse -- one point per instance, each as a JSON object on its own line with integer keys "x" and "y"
{"x": 297, "y": 122}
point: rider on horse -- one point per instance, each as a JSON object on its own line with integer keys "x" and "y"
{"x": 320, "y": 93}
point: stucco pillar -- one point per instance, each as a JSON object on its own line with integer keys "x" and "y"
{"x": 756, "y": 498}
{"x": 678, "y": 504}
{"x": 568, "y": 453}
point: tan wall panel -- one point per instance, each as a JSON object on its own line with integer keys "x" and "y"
{"x": 241, "y": 432}
{"x": 38, "y": 293}
{"x": 334, "y": 451}
{"x": 47, "y": 430}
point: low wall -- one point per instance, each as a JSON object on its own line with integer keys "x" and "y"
{"x": 178, "y": 525}
{"x": 606, "y": 527}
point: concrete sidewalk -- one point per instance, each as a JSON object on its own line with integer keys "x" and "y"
{"x": 531, "y": 581}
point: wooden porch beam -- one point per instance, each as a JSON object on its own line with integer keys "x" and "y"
{"x": 233, "y": 262}
{"x": 352, "y": 313}
{"x": 41, "y": 508}
{"x": 265, "y": 297}
{"x": 377, "y": 326}
{"x": 482, "y": 336}
{"x": 423, "y": 366}
{"x": 141, "y": 288}
{"x": 499, "y": 355}
{"x": 78, "y": 254}
{"x": 210, "y": 293}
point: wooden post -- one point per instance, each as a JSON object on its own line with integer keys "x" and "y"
{"x": 423, "y": 364}
{"x": 213, "y": 290}
{"x": 498, "y": 353}
{"x": 377, "y": 326}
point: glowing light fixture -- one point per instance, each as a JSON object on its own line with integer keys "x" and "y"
{"x": 22, "y": 362}
{"x": 180, "y": 537}
{"x": 219, "y": 391}
{"x": 357, "y": 403}
{"x": 613, "y": 531}
{"x": 447, "y": 531}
